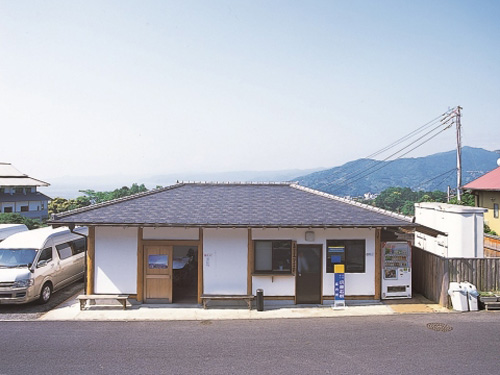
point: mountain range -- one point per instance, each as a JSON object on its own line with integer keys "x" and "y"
{"x": 69, "y": 186}
{"x": 355, "y": 178}
{"x": 429, "y": 173}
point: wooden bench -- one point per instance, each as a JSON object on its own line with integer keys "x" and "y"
{"x": 122, "y": 298}
{"x": 219, "y": 297}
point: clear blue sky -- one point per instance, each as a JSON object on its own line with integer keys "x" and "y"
{"x": 152, "y": 87}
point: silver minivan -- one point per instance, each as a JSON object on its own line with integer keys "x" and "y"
{"x": 7, "y": 230}
{"x": 36, "y": 263}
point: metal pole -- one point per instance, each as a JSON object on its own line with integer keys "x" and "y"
{"x": 459, "y": 154}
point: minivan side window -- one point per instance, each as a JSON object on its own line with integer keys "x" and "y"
{"x": 79, "y": 245}
{"x": 64, "y": 250}
{"x": 46, "y": 254}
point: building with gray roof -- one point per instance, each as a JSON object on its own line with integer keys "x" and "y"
{"x": 192, "y": 240}
{"x": 18, "y": 193}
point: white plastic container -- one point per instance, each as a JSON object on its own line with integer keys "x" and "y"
{"x": 472, "y": 295}
{"x": 458, "y": 295}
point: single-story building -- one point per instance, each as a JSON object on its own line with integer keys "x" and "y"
{"x": 178, "y": 243}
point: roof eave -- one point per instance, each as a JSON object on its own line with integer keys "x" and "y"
{"x": 57, "y": 223}
{"x": 482, "y": 189}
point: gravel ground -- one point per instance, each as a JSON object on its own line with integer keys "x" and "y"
{"x": 33, "y": 311}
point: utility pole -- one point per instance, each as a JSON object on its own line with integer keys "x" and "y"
{"x": 459, "y": 154}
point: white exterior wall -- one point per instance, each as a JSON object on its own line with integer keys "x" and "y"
{"x": 171, "y": 233}
{"x": 225, "y": 261}
{"x": 462, "y": 224}
{"x": 436, "y": 245}
{"x": 356, "y": 283}
{"x": 34, "y": 205}
{"x": 115, "y": 260}
{"x": 21, "y": 204}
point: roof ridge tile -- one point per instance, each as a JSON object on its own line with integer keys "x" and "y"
{"x": 242, "y": 183}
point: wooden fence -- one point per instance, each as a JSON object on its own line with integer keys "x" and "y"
{"x": 491, "y": 246}
{"x": 432, "y": 274}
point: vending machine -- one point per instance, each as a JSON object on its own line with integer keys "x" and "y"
{"x": 396, "y": 270}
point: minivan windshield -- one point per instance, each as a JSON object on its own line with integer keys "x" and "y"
{"x": 12, "y": 258}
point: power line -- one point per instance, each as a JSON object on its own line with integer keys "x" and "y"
{"x": 443, "y": 119}
{"x": 447, "y": 173}
{"x": 402, "y": 149}
{"x": 391, "y": 161}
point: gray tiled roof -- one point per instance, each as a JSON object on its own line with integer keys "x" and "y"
{"x": 231, "y": 204}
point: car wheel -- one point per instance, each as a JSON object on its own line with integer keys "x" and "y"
{"x": 45, "y": 294}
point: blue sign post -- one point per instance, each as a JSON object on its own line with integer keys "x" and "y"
{"x": 339, "y": 286}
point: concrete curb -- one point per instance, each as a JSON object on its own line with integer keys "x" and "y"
{"x": 70, "y": 311}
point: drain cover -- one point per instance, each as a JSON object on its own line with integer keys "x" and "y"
{"x": 441, "y": 327}
{"x": 205, "y": 322}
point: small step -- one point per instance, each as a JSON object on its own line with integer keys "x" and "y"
{"x": 491, "y": 305}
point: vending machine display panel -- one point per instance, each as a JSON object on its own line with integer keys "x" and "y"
{"x": 396, "y": 270}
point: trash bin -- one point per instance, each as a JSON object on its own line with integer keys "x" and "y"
{"x": 259, "y": 301}
{"x": 458, "y": 295}
{"x": 472, "y": 295}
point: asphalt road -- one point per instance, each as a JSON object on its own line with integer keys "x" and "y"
{"x": 32, "y": 310}
{"x": 467, "y": 343}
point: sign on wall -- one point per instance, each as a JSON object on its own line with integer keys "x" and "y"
{"x": 339, "y": 286}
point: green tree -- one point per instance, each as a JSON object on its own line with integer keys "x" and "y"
{"x": 408, "y": 208}
{"x": 426, "y": 198}
{"x": 467, "y": 200}
{"x": 126, "y": 191}
{"x": 439, "y": 196}
{"x": 14, "y": 218}
{"x": 57, "y": 205}
{"x": 395, "y": 198}
{"x": 488, "y": 230}
{"x": 97, "y": 196}
{"x": 403, "y": 200}
{"x": 104, "y": 196}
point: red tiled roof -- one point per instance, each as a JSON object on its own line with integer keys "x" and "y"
{"x": 489, "y": 181}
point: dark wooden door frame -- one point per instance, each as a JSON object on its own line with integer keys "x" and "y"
{"x": 297, "y": 276}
